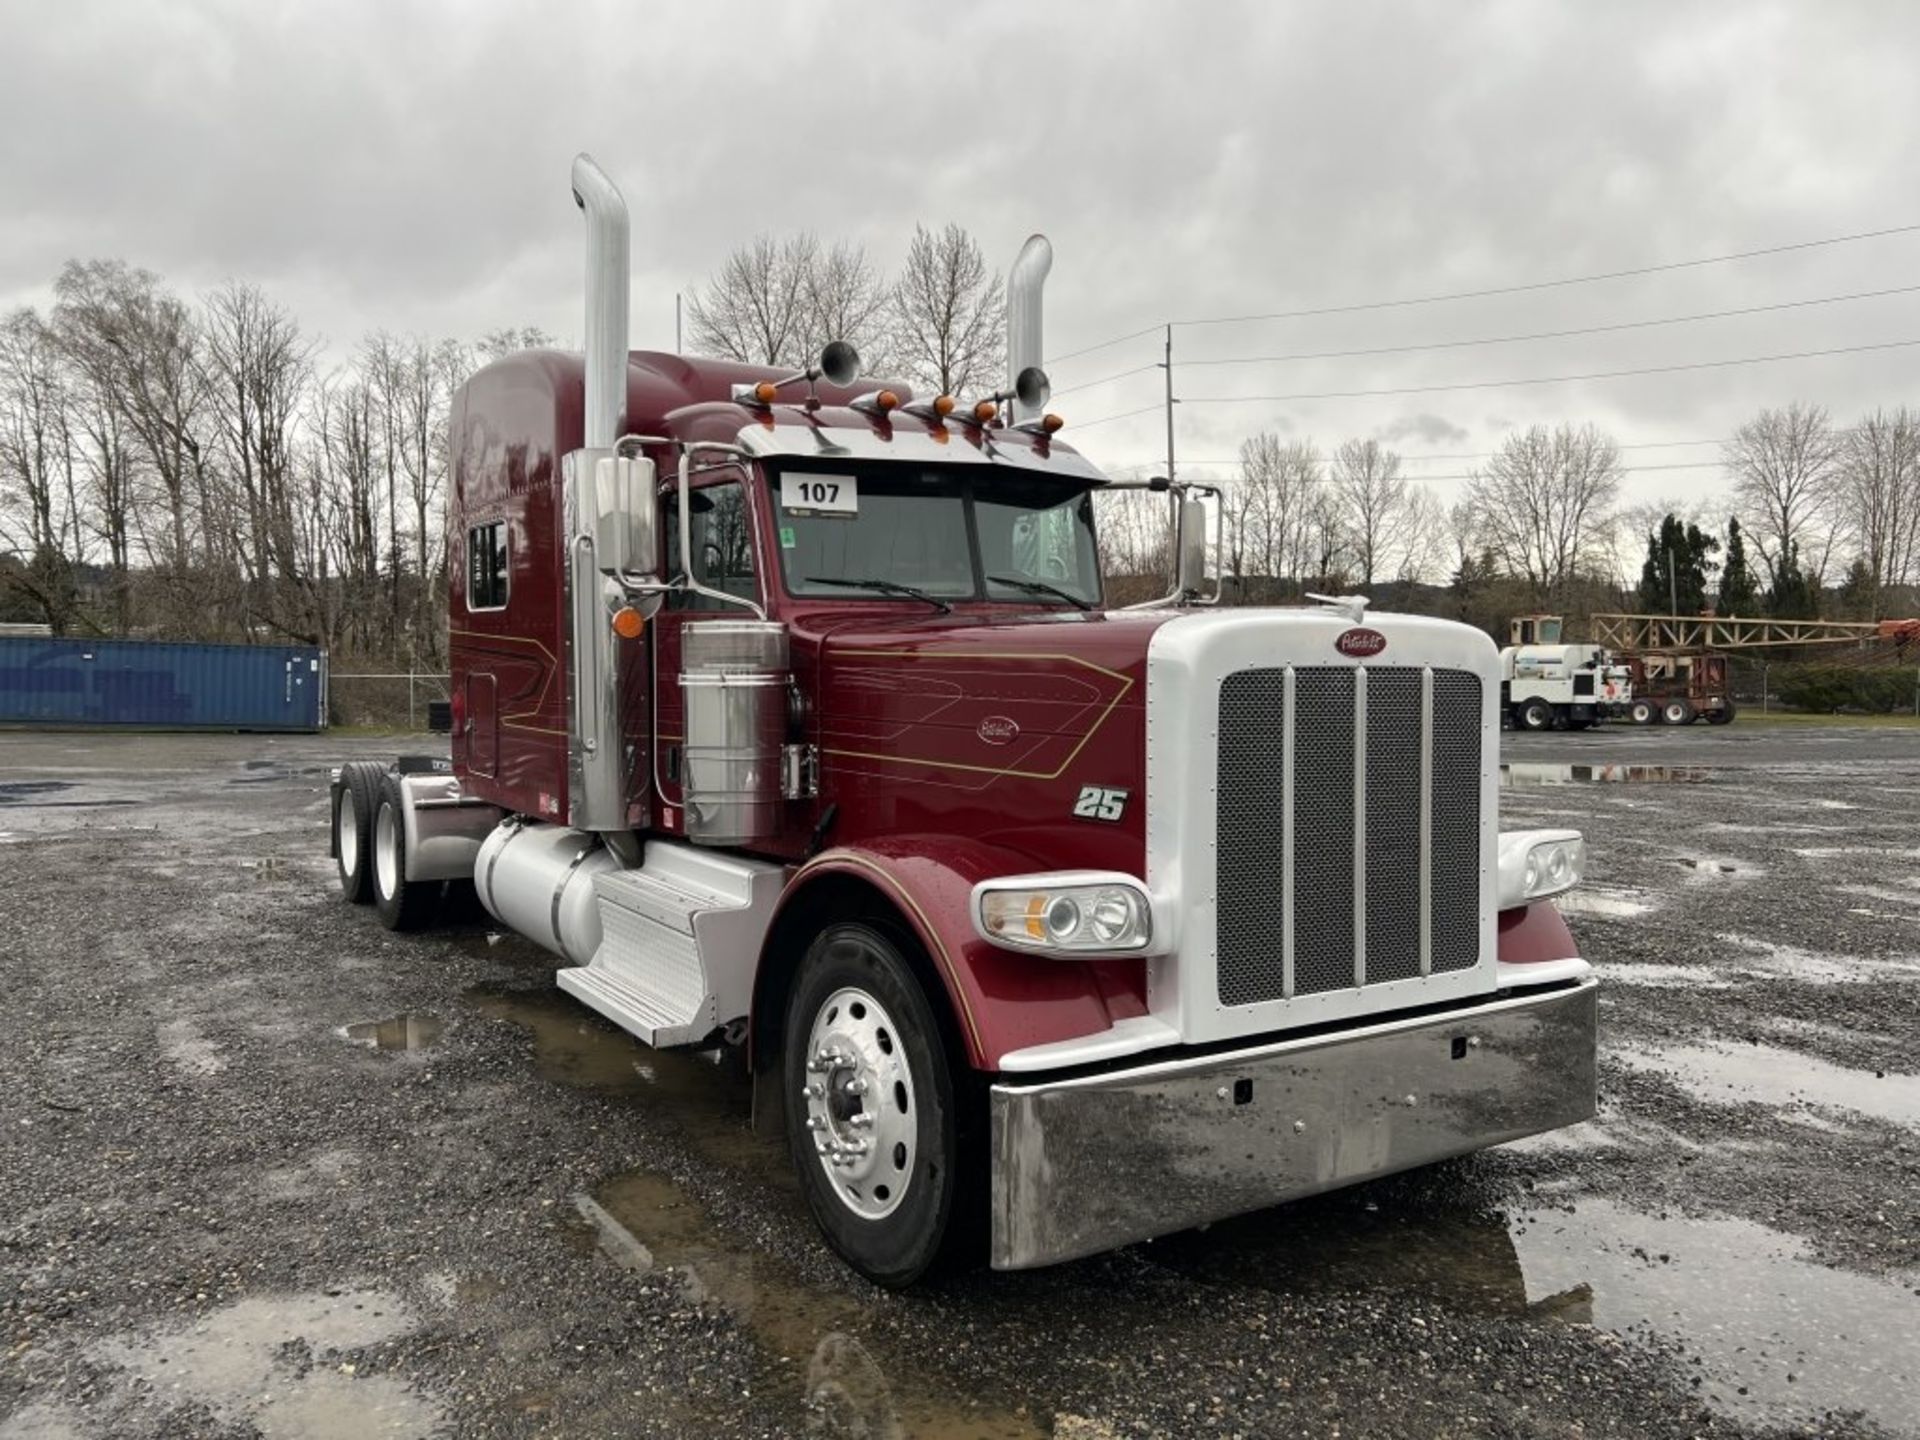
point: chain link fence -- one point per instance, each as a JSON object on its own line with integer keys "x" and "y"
{"x": 414, "y": 700}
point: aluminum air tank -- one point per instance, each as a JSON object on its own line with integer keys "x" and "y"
{"x": 537, "y": 880}
{"x": 734, "y": 679}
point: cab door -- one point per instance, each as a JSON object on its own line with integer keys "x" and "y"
{"x": 725, "y": 554}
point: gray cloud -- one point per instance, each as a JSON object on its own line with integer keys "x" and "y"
{"x": 405, "y": 166}
{"x": 1423, "y": 429}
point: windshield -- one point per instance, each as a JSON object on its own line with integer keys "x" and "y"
{"x": 952, "y": 534}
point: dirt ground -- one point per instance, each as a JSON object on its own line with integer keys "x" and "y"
{"x": 266, "y": 1169}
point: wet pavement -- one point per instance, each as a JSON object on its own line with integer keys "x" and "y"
{"x": 268, "y": 1170}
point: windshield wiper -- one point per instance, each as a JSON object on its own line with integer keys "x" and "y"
{"x": 885, "y": 587}
{"x": 1040, "y": 587}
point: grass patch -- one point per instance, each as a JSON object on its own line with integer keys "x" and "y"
{"x": 1790, "y": 718}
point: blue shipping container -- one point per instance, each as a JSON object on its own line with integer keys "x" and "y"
{"x": 161, "y": 686}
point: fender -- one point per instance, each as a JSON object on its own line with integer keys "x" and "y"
{"x": 1535, "y": 934}
{"x": 1002, "y": 1000}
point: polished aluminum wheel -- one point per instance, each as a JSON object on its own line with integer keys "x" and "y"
{"x": 859, "y": 1097}
{"x": 386, "y": 851}
{"x": 346, "y": 828}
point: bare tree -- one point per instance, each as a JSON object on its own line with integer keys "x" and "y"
{"x": 1284, "y": 508}
{"x": 39, "y": 506}
{"x": 139, "y": 347}
{"x": 1784, "y": 465}
{"x": 846, "y": 300}
{"x": 497, "y": 344}
{"x": 755, "y": 308}
{"x": 259, "y": 366}
{"x": 1371, "y": 501}
{"x": 1423, "y": 548}
{"x": 1879, "y": 481}
{"x": 949, "y": 312}
{"x": 1544, "y": 505}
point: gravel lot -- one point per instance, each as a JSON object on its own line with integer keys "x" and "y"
{"x": 268, "y": 1170}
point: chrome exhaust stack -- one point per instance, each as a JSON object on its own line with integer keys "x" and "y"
{"x": 1025, "y": 343}
{"x": 600, "y": 491}
{"x": 609, "y": 261}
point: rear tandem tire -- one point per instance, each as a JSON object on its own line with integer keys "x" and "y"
{"x": 915, "y": 1200}
{"x": 1677, "y": 712}
{"x": 353, "y": 829}
{"x": 1722, "y": 716}
{"x": 400, "y": 903}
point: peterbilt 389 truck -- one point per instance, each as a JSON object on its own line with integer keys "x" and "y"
{"x": 790, "y": 713}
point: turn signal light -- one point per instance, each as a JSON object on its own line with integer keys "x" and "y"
{"x": 628, "y": 623}
{"x": 985, "y": 411}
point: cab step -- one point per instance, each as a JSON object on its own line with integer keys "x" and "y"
{"x": 679, "y": 939}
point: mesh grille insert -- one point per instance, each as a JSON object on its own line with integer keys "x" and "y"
{"x": 1256, "y": 808}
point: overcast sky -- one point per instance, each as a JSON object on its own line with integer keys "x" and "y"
{"x": 405, "y": 166}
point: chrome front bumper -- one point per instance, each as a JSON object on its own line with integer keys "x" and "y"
{"x": 1084, "y": 1165}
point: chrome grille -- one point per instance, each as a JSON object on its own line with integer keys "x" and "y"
{"x": 1321, "y": 823}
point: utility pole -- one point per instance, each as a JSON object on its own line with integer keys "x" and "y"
{"x": 1167, "y": 365}
{"x": 1673, "y": 585}
{"x": 676, "y": 323}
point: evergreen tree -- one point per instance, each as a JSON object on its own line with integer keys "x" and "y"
{"x": 1739, "y": 595}
{"x": 1676, "y": 570}
{"x": 1792, "y": 596}
{"x": 1857, "y": 591}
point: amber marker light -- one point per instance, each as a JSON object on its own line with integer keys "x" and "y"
{"x": 628, "y": 623}
{"x": 765, "y": 391}
{"x": 886, "y": 400}
{"x": 943, "y": 405}
{"x": 985, "y": 411}
{"x": 1051, "y": 423}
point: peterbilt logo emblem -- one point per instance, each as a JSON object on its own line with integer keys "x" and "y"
{"x": 997, "y": 730}
{"x": 1360, "y": 642}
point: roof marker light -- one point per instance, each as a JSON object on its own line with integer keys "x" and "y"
{"x": 985, "y": 411}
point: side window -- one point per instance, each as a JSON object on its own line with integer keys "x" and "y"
{"x": 487, "y": 566}
{"x": 722, "y": 544}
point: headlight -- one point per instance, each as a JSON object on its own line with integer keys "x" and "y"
{"x": 1537, "y": 863}
{"x": 1073, "y": 911}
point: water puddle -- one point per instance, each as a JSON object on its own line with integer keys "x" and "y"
{"x": 813, "y": 1344}
{"x": 1765, "y": 960}
{"x": 1517, "y": 773}
{"x": 1663, "y": 977}
{"x": 1724, "y": 1073}
{"x": 1775, "y": 1332}
{"x": 278, "y": 1365}
{"x": 402, "y": 1032}
{"x": 1717, "y": 867}
{"x": 1610, "y": 902}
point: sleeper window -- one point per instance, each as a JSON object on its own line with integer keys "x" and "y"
{"x": 487, "y": 566}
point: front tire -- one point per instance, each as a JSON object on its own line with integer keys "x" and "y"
{"x": 1536, "y": 715}
{"x": 400, "y": 903}
{"x": 1643, "y": 712}
{"x": 873, "y": 1109}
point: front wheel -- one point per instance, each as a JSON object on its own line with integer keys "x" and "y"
{"x": 1642, "y": 712}
{"x": 873, "y": 1118}
{"x": 1536, "y": 715}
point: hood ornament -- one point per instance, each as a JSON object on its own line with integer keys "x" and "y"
{"x": 1354, "y": 607}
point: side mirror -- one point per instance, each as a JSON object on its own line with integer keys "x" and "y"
{"x": 625, "y": 515}
{"x": 1191, "y": 538}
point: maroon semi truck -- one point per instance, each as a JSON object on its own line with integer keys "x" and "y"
{"x": 789, "y": 713}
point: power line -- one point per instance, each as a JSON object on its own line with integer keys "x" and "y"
{"x": 1124, "y": 415}
{"x": 1537, "y": 379}
{"x": 1500, "y": 289}
{"x": 1557, "y": 284}
{"x": 1489, "y": 454}
{"x": 1508, "y": 339}
{"x": 1624, "y": 470}
{"x": 1556, "y": 334}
